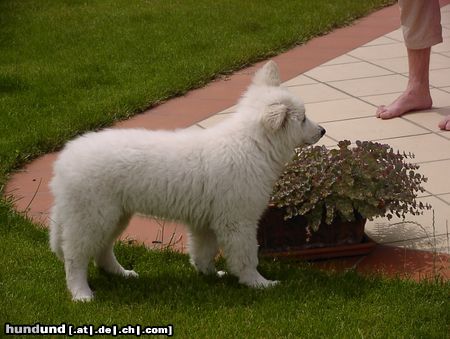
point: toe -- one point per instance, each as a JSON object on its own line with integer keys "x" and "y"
{"x": 445, "y": 124}
{"x": 380, "y": 110}
{"x": 386, "y": 114}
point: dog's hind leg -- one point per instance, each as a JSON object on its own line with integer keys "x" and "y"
{"x": 240, "y": 247}
{"x": 77, "y": 252}
{"x": 76, "y": 277}
{"x": 55, "y": 233}
{"x": 82, "y": 238}
{"x": 202, "y": 250}
{"x": 106, "y": 259}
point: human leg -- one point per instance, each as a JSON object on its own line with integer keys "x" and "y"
{"x": 417, "y": 94}
{"x": 421, "y": 30}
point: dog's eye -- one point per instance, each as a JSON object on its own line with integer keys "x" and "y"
{"x": 304, "y": 119}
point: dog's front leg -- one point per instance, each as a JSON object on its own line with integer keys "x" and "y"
{"x": 240, "y": 248}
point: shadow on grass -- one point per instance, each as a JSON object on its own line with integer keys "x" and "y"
{"x": 167, "y": 277}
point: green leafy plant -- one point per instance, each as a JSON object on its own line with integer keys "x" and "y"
{"x": 370, "y": 179}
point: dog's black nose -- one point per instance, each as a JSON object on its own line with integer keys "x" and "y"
{"x": 322, "y": 131}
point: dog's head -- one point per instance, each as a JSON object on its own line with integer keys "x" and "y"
{"x": 281, "y": 112}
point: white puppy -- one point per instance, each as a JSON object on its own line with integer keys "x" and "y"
{"x": 216, "y": 181}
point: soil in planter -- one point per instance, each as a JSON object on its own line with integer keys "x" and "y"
{"x": 277, "y": 234}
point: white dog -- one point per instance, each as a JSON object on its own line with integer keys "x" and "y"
{"x": 216, "y": 181}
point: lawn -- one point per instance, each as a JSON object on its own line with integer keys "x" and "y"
{"x": 308, "y": 303}
{"x": 70, "y": 66}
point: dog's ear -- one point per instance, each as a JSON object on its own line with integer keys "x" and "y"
{"x": 268, "y": 75}
{"x": 274, "y": 116}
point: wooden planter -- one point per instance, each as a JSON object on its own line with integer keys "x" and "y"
{"x": 288, "y": 238}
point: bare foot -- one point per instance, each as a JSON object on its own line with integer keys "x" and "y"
{"x": 445, "y": 124}
{"x": 410, "y": 100}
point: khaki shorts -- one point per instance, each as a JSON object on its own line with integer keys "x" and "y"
{"x": 421, "y": 23}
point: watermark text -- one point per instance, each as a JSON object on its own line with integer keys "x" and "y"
{"x": 89, "y": 330}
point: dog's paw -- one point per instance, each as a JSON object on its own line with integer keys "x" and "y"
{"x": 253, "y": 279}
{"x": 270, "y": 283}
{"x": 221, "y": 274}
{"x": 83, "y": 297}
{"x": 130, "y": 274}
{"x": 264, "y": 283}
{"x": 207, "y": 268}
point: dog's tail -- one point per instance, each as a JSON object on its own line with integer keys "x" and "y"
{"x": 55, "y": 234}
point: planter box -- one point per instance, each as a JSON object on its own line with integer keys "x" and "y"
{"x": 289, "y": 238}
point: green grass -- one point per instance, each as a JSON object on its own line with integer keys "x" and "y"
{"x": 69, "y": 66}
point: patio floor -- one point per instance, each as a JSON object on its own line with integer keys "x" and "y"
{"x": 342, "y": 77}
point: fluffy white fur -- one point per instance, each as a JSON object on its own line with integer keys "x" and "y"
{"x": 216, "y": 181}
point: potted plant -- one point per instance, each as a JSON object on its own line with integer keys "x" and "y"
{"x": 325, "y": 196}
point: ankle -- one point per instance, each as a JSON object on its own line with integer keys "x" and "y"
{"x": 418, "y": 88}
